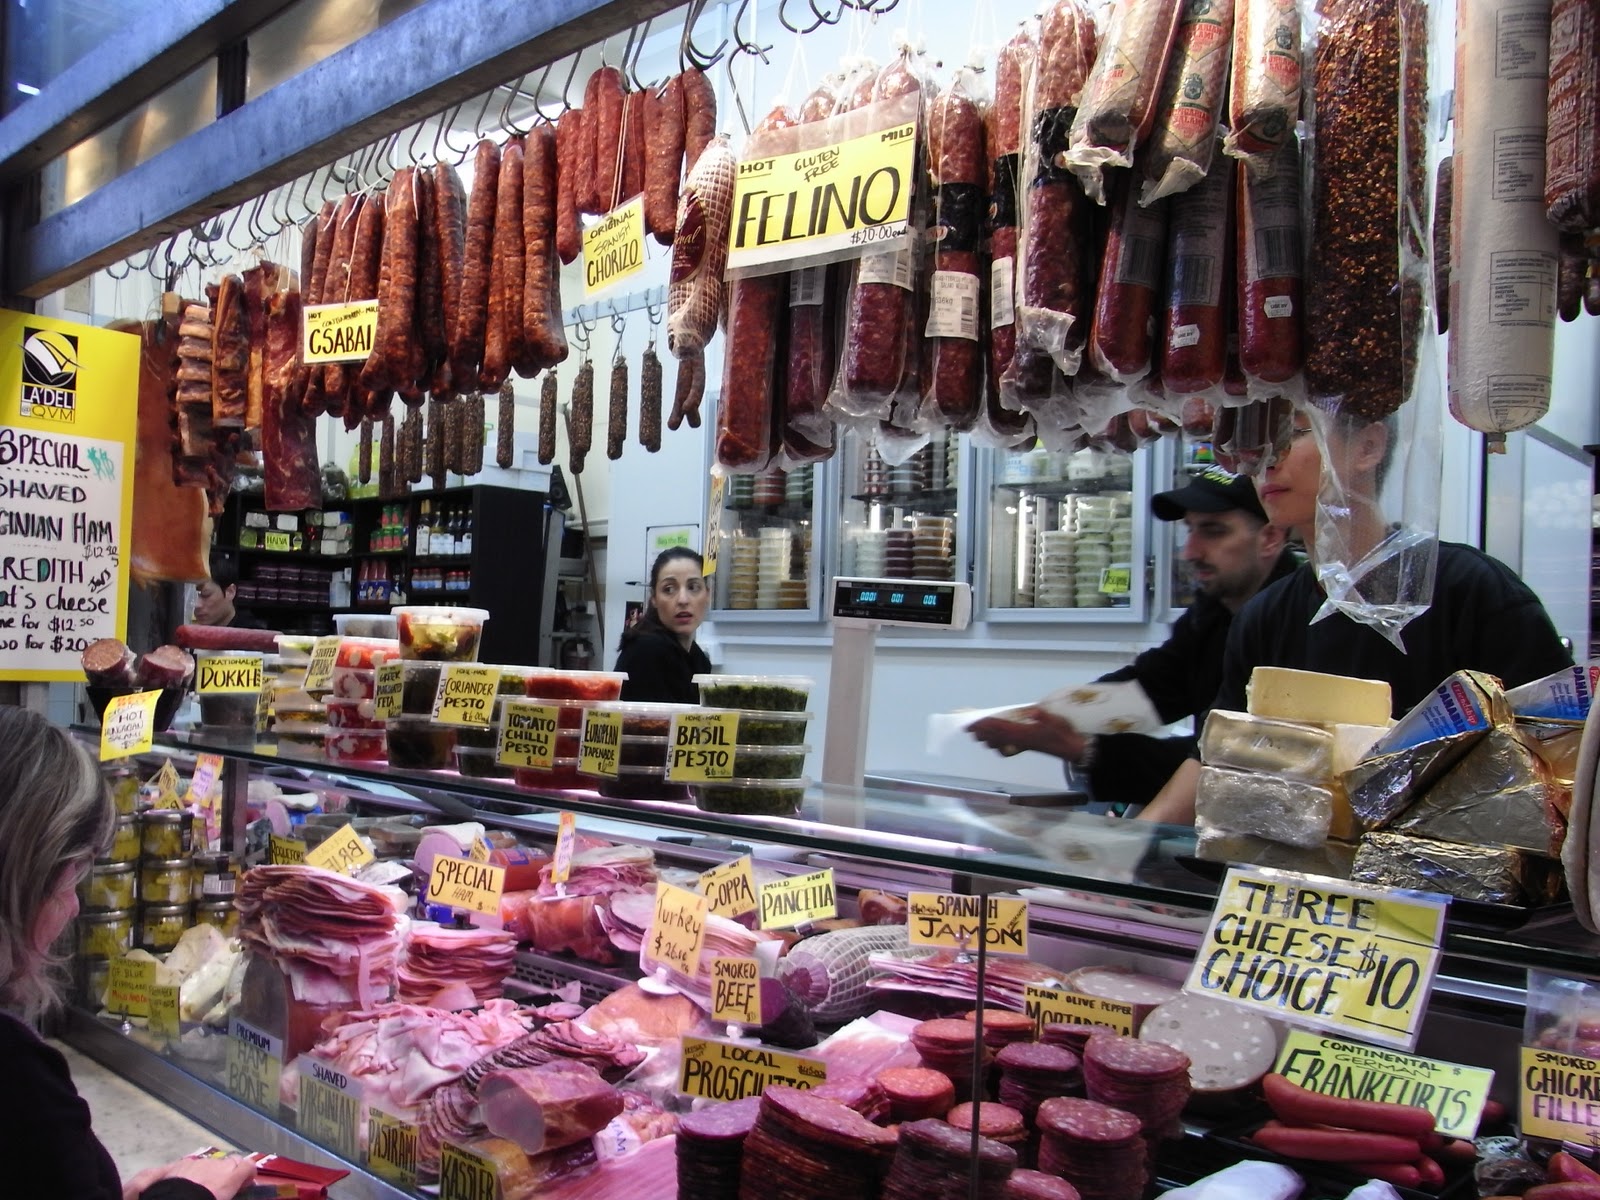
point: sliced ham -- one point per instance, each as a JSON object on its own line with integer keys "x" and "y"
{"x": 437, "y": 957}
{"x": 546, "y": 1107}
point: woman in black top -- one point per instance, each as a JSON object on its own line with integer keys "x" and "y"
{"x": 659, "y": 654}
{"x": 55, "y": 817}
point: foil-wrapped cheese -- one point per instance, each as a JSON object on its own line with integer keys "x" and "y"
{"x": 1218, "y": 845}
{"x": 1501, "y": 793}
{"x": 1247, "y": 743}
{"x": 1265, "y": 806}
{"x": 1490, "y": 874}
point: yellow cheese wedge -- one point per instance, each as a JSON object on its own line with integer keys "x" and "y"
{"x": 1291, "y": 695}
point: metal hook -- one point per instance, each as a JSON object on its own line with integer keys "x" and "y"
{"x": 388, "y": 156}
{"x": 783, "y": 19}
{"x": 630, "y": 71}
{"x": 741, "y": 46}
{"x": 580, "y": 336}
{"x": 232, "y": 225}
{"x": 127, "y": 269}
{"x": 411, "y": 146}
{"x": 689, "y": 54}
{"x": 505, "y": 110}
{"x": 566, "y": 88}
{"x": 441, "y": 133}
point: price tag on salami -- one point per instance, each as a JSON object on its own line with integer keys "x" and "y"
{"x": 1556, "y": 1096}
{"x": 207, "y": 774}
{"x": 343, "y": 852}
{"x": 319, "y": 672}
{"x": 1323, "y": 953}
{"x": 164, "y": 1019}
{"x": 736, "y": 990}
{"x": 391, "y": 1147}
{"x": 602, "y": 743}
{"x": 285, "y": 852}
{"x": 613, "y": 247}
{"x": 677, "y": 934}
{"x": 712, "y": 545}
{"x": 730, "y": 889}
{"x": 255, "y": 1062}
{"x": 464, "y": 1175}
{"x": 566, "y": 839}
{"x": 331, "y": 1108}
{"x": 466, "y": 694}
{"x": 952, "y": 921}
{"x": 1342, "y": 1070}
{"x": 339, "y": 332}
{"x": 129, "y": 725}
{"x": 229, "y": 674}
{"x": 128, "y": 987}
{"x": 1057, "y": 1006}
{"x": 167, "y": 787}
{"x": 462, "y": 883}
{"x": 737, "y": 1070}
{"x": 798, "y": 899}
{"x": 388, "y": 688}
{"x": 528, "y": 735}
{"x": 701, "y": 746}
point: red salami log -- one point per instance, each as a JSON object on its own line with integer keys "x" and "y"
{"x": 699, "y": 116}
{"x": 663, "y": 157}
{"x": 1268, "y": 269}
{"x": 225, "y": 637}
{"x": 472, "y": 317}
{"x": 397, "y": 286}
{"x": 1013, "y": 74}
{"x": 1184, "y": 137}
{"x": 569, "y": 148}
{"x": 952, "y": 376}
{"x": 633, "y": 146}
{"x": 606, "y": 108}
{"x": 108, "y": 663}
{"x": 812, "y": 353}
{"x": 450, "y": 221}
{"x": 544, "y": 340}
{"x": 1123, "y": 336}
{"x": 1572, "y": 139}
{"x": 503, "y": 329}
{"x": 1264, "y": 93}
{"x": 744, "y": 413}
{"x": 1195, "y": 339}
{"x": 169, "y": 666}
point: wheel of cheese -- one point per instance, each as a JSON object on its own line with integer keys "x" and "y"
{"x": 1228, "y": 1047}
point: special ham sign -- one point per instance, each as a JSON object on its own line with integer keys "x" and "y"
{"x": 68, "y": 403}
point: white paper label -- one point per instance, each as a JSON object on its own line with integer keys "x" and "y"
{"x": 1002, "y": 292}
{"x": 953, "y": 310}
{"x": 1185, "y": 335}
{"x": 805, "y": 286}
{"x": 893, "y": 268}
{"x": 1278, "y": 306}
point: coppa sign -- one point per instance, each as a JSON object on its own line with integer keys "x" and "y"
{"x": 1057, "y": 1006}
{"x": 730, "y": 889}
{"x": 1454, "y": 1094}
{"x": 462, "y": 883}
{"x": 466, "y": 695}
{"x": 951, "y": 921}
{"x": 732, "y": 1071}
{"x": 1322, "y": 952}
{"x": 339, "y": 332}
{"x": 1560, "y": 1096}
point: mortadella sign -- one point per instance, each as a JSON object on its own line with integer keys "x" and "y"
{"x": 68, "y": 402}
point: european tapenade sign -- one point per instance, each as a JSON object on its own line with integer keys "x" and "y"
{"x": 68, "y": 404}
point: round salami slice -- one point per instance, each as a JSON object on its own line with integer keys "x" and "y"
{"x": 1037, "y": 1058}
{"x": 865, "y": 1096}
{"x": 1126, "y": 1057}
{"x": 824, "y": 1121}
{"x": 730, "y": 1122}
{"x": 998, "y": 1121}
{"x": 1036, "y": 1185}
{"x": 1087, "y": 1121}
{"x": 1002, "y": 1027}
{"x": 939, "y": 1140}
{"x": 1228, "y": 1047}
{"x": 917, "y": 1093}
{"x": 944, "y": 1036}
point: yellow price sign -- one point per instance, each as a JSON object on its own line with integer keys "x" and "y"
{"x": 613, "y": 247}
{"x": 528, "y": 735}
{"x": 264, "y": 711}
{"x": 1116, "y": 581}
{"x": 462, "y": 883}
{"x": 480, "y": 850}
{"x": 388, "y": 686}
{"x": 339, "y": 332}
{"x": 952, "y": 921}
{"x": 466, "y": 694}
{"x": 331, "y": 1108}
{"x": 733, "y": 1070}
{"x": 1322, "y": 953}
{"x": 279, "y": 541}
{"x": 730, "y": 889}
{"x": 736, "y": 990}
{"x": 164, "y": 1018}
{"x": 1453, "y": 1093}
{"x": 285, "y": 852}
{"x": 566, "y": 842}
{"x": 464, "y": 1175}
{"x": 701, "y": 746}
{"x": 713, "y": 540}
{"x": 129, "y": 725}
{"x": 1057, "y": 1006}
{"x": 319, "y": 672}
{"x": 677, "y": 933}
{"x": 602, "y": 743}
{"x": 229, "y": 675}
{"x": 167, "y": 787}
{"x": 255, "y": 1063}
{"x": 798, "y": 900}
{"x": 128, "y": 987}
{"x": 391, "y": 1148}
{"x": 1557, "y": 1099}
{"x": 207, "y": 773}
{"x": 343, "y": 852}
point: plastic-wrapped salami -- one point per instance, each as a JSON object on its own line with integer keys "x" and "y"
{"x": 1195, "y": 338}
{"x": 1572, "y": 141}
{"x": 952, "y": 373}
{"x": 1128, "y": 299}
{"x": 812, "y": 352}
{"x": 1269, "y": 271}
{"x": 699, "y": 253}
{"x": 1119, "y": 99}
{"x": 1183, "y": 141}
{"x": 1264, "y": 95}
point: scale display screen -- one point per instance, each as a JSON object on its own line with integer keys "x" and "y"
{"x": 900, "y": 601}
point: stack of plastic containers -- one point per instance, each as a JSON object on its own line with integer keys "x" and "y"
{"x": 354, "y": 734}
{"x": 232, "y": 714}
{"x": 429, "y": 636}
{"x": 476, "y": 744}
{"x": 298, "y": 718}
{"x": 769, "y": 759}
{"x": 572, "y": 692}
{"x": 643, "y": 754}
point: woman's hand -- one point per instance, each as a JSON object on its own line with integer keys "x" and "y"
{"x": 1037, "y": 730}
{"x": 224, "y": 1178}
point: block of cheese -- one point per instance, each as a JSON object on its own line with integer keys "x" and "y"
{"x": 1217, "y": 845}
{"x": 1291, "y": 695}
{"x": 1352, "y": 742}
{"x": 1247, "y": 743}
{"x": 1266, "y": 806}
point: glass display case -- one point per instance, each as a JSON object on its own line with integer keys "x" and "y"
{"x": 1065, "y": 534}
{"x": 902, "y": 520}
{"x": 768, "y": 559}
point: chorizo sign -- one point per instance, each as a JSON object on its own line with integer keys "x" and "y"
{"x": 339, "y": 332}
{"x": 613, "y": 247}
{"x": 1322, "y": 953}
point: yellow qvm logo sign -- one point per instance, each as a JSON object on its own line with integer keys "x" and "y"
{"x": 49, "y": 375}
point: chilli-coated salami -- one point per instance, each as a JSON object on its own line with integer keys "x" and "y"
{"x": 505, "y": 428}
{"x": 617, "y": 410}
{"x": 580, "y": 429}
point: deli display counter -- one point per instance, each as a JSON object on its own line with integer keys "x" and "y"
{"x": 1101, "y": 893}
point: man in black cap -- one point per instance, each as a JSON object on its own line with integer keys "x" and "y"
{"x": 1233, "y": 553}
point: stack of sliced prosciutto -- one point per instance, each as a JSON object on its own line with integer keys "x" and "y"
{"x": 946, "y": 973}
{"x": 336, "y": 938}
{"x": 627, "y": 920}
{"x": 603, "y": 870}
{"x": 454, "y": 968}
{"x": 567, "y": 918}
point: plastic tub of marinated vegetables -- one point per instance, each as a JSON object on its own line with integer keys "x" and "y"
{"x": 440, "y": 633}
{"x": 766, "y": 693}
{"x": 513, "y": 681}
{"x": 420, "y": 744}
{"x": 752, "y": 797}
{"x": 547, "y": 683}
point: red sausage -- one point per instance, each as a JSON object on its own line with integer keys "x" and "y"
{"x": 1406, "y": 1175}
{"x": 1296, "y": 1105}
{"x": 952, "y": 379}
{"x": 1268, "y": 264}
{"x": 663, "y": 158}
{"x": 569, "y": 148}
{"x": 1564, "y": 1168}
{"x": 1336, "y": 1145}
{"x": 1122, "y": 336}
{"x": 1195, "y": 338}
{"x": 1568, "y": 1190}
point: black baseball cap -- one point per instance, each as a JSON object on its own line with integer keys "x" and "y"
{"x": 1212, "y": 491}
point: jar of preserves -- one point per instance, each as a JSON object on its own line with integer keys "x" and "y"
{"x": 105, "y": 935}
{"x": 124, "y": 842}
{"x": 164, "y": 834}
{"x": 107, "y": 885}
{"x": 124, "y": 785}
{"x": 215, "y": 877}
{"x": 161, "y": 925}
{"x": 169, "y": 882}
{"x": 220, "y": 913}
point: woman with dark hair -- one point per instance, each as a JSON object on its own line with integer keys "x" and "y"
{"x": 55, "y": 817}
{"x": 659, "y": 653}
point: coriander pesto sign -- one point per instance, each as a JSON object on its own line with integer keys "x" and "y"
{"x": 67, "y": 411}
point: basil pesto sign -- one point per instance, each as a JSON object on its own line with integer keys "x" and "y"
{"x": 67, "y": 413}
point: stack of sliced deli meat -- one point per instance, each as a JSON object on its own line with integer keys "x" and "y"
{"x": 437, "y": 958}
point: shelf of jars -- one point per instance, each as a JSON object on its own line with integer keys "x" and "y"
{"x": 768, "y": 542}
{"x": 899, "y": 520}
